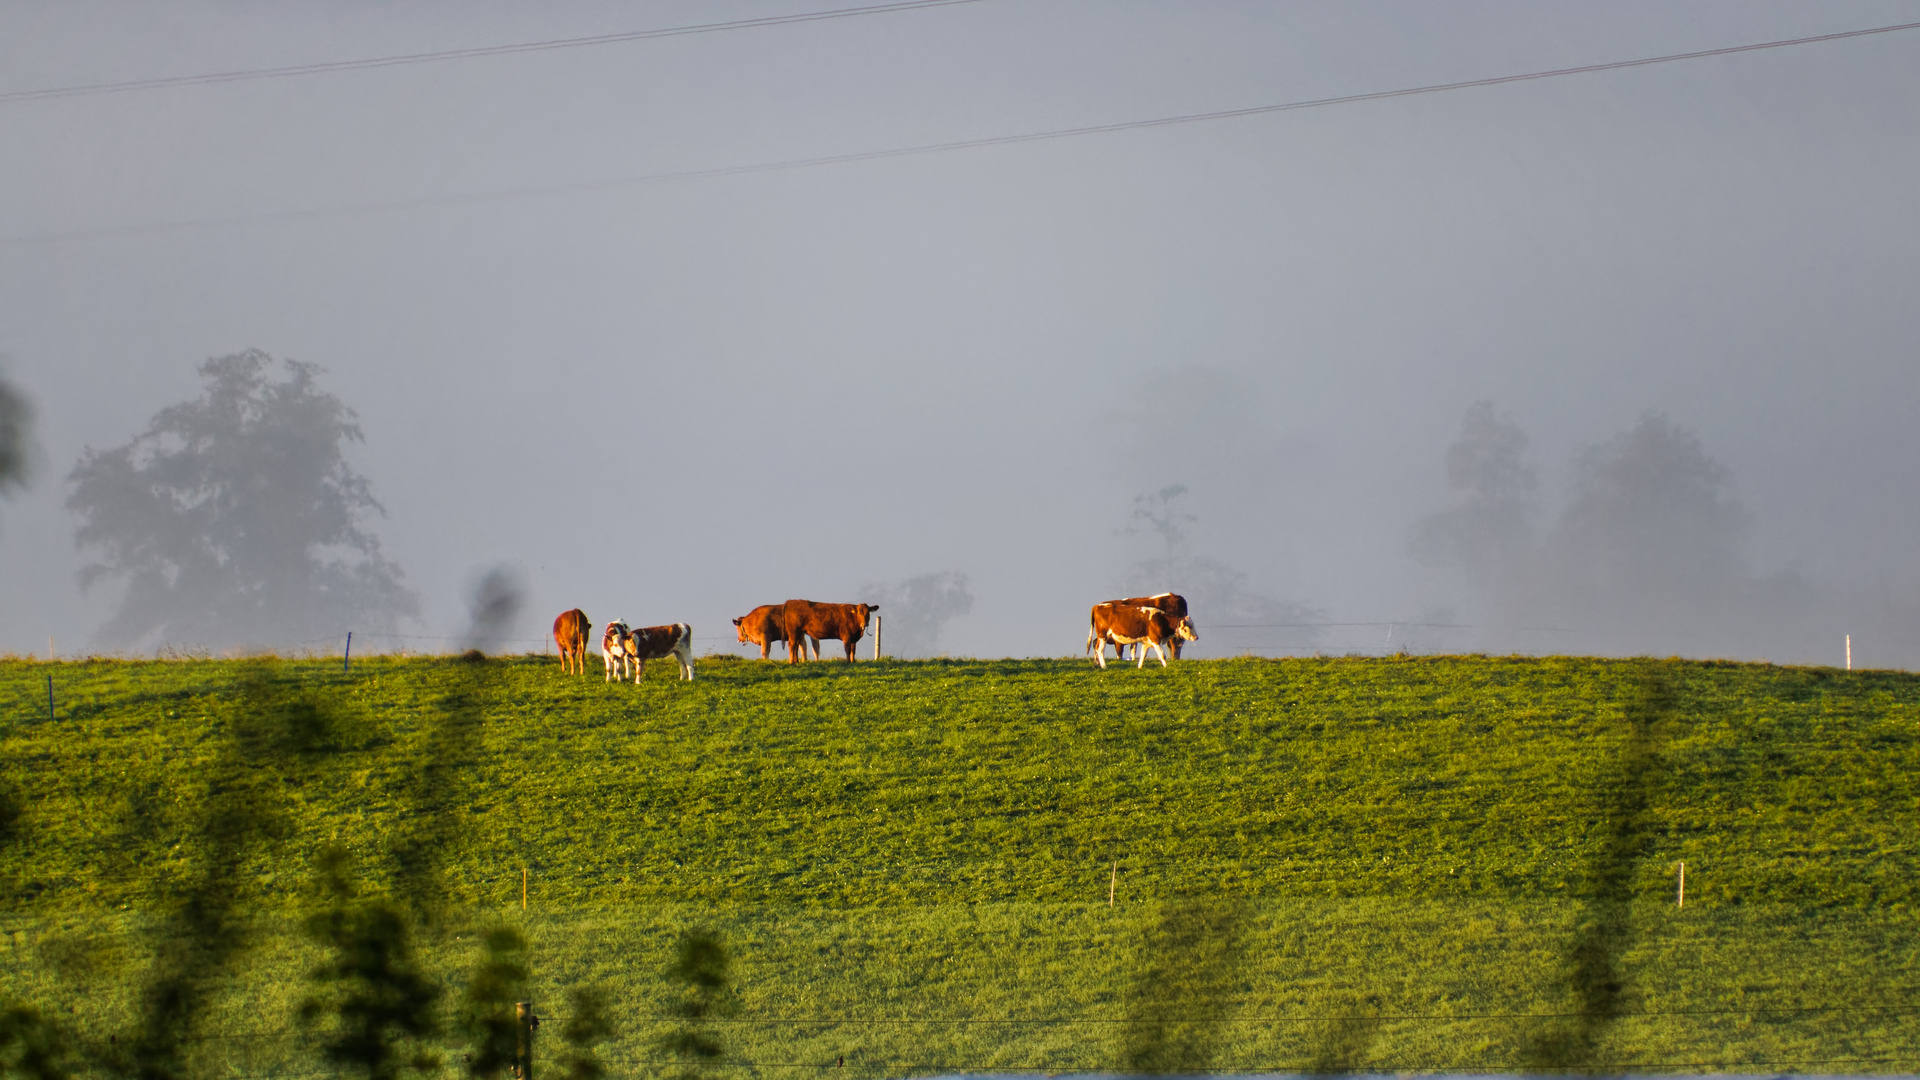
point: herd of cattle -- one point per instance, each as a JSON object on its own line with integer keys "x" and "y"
{"x": 1158, "y": 623}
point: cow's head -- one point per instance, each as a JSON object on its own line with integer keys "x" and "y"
{"x": 863, "y": 612}
{"x": 1183, "y": 627}
{"x": 740, "y": 629}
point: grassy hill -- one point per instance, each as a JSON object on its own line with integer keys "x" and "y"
{"x": 1432, "y": 862}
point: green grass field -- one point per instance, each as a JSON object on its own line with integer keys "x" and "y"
{"x": 1388, "y": 864}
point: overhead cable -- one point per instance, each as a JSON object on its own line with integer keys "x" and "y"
{"x": 586, "y": 187}
{"x": 463, "y": 54}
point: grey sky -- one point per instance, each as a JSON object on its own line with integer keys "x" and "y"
{"x": 671, "y": 402}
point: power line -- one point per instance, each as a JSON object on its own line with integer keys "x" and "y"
{"x": 464, "y": 54}
{"x": 587, "y": 187}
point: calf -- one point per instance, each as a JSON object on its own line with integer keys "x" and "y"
{"x": 570, "y": 633}
{"x": 655, "y": 642}
{"x": 613, "y": 648}
{"x": 1127, "y": 624}
{"x": 765, "y": 625}
{"x": 804, "y": 618}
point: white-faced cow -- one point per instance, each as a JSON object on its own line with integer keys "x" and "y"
{"x": 1172, "y": 603}
{"x": 657, "y": 642}
{"x": 846, "y": 622}
{"x": 1127, "y": 624}
{"x": 765, "y": 625}
{"x": 570, "y": 633}
{"x": 613, "y": 648}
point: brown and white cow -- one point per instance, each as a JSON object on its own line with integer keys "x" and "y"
{"x": 1127, "y": 624}
{"x": 655, "y": 642}
{"x": 1172, "y": 603}
{"x": 570, "y": 633}
{"x": 847, "y": 622}
{"x": 765, "y": 625}
{"x": 613, "y": 648}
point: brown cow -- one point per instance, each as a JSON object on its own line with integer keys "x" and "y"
{"x": 822, "y": 621}
{"x": 1124, "y": 624}
{"x": 1172, "y": 603}
{"x": 763, "y": 626}
{"x": 654, "y": 642}
{"x": 570, "y": 633}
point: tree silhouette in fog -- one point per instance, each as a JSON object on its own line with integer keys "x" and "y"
{"x": 918, "y": 608}
{"x": 1644, "y": 556}
{"x": 1217, "y": 594}
{"x": 16, "y": 422}
{"x": 1488, "y": 528}
{"x": 1651, "y": 513}
{"x": 234, "y": 518}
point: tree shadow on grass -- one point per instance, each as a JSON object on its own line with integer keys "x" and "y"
{"x": 1593, "y": 961}
{"x": 1185, "y": 987}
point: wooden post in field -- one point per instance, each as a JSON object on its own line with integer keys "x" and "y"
{"x": 1849, "y": 652}
{"x": 49, "y": 699}
{"x": 523, "y": 1046}
{"x": 1113, "y": 879}
{"x": 346, "y": 661}
{"x": 523, "y": 888}
{"x": 1682, "y": 901}
{"x": 876, "y": 636}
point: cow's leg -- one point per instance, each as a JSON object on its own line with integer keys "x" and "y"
{"x": 1088, "y": 651}
{"x": 1161, "y": 648}
{"x": 851, "y": 640}
{"x": 639, "y": 669}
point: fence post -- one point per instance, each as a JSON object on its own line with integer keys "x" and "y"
{"x": 524, "y": 1022}
{"x": 1113, "y": 880}
{"x": 876, "y": 636}
{"x": 346, "y": 661}
{"x": 1849, "y": 652}
{"x": 1682, "y": 901}
{"x": 49, "y": 699}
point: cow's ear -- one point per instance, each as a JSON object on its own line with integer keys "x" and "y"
{"x": 873, "y": 607}
{"x": 736, "y": 622}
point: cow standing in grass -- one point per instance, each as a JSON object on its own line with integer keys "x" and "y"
{"x": 1127, "y": 624}
{"x": 656, "y": 642}
{"x": 570, "y": 633}
{"x": 765, "y": 625}
{"x": 805, "y": 619}
{"x": 1172, "y": 603}
{"x": 613, "y": 649}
